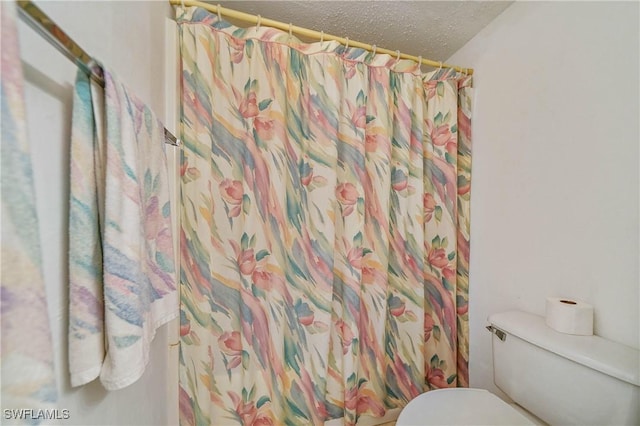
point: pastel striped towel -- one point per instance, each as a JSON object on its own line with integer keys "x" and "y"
{"x": 26, "y": 355}
{"x": 121, "y": 263}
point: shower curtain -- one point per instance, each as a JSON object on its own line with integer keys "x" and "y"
{"x": 325, "y": 228}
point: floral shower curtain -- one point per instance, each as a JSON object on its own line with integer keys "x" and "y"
{"x": 325, "y": 228}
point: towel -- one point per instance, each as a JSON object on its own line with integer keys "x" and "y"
{"x": 86, "y": 301}
{"x": 121, "y": 263}
{"x": 26, "y": 354}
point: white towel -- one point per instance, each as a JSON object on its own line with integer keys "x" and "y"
{"x": 26, "y": 357}
{"x": 123, "y": 284}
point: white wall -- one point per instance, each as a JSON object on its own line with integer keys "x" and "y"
{"x": 555, "y": 191}
{"x": 128, "y": 37}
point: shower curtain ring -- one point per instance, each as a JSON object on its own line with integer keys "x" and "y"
{"x": 419, "y": 62}
{"x": 397, "y": 55}
{"x": 321, "y": 36}
{"x": 440, "y": 66}
{"x": 218, "y": 8}
{"x": 346, "y": 46}
{"x": 290, "y": 32}
{"x": 374, "y": 48}
{"x": 259, "y": 21}
{"x": 182, "y": 3}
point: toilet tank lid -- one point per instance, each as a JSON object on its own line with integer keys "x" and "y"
{"x": 611, "y": 358}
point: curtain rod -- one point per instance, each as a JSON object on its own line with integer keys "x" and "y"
{"x": 33, "y": 16}
{"x": 253, "y": 19}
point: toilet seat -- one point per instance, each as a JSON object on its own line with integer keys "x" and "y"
{"x": 459, "y": 406}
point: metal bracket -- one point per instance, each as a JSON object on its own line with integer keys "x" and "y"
{"x": 501, "y": 334}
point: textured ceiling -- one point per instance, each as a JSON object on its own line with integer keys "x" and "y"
{"x": 433, "y": 29}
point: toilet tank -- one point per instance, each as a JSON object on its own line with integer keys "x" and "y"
{"x": 565, "y": 379}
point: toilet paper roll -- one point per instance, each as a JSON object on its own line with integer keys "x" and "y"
{"x": 569, "y": 316}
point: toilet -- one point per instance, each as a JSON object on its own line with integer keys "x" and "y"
{"x": 553, "y": 378}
